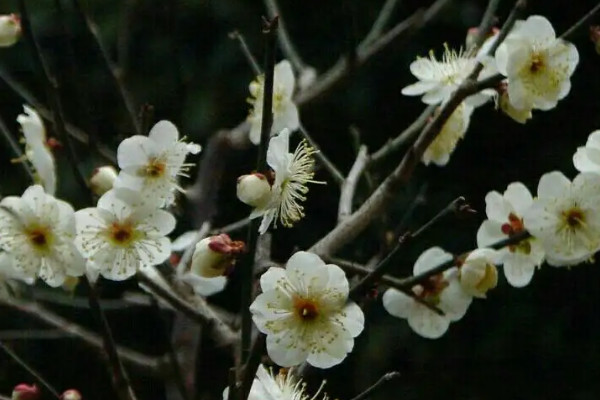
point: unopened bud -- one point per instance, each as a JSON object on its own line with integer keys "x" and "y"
{"x": 24, "y": 391}
{"x": 595, "y": 37}
{"x": 214, "y": 255}
{"x": 102, "y": 179}
{"x": 478, "y": 274}
{"x": 503, "y": 102}
{"x": 472, "y": 34}
{"x": 10, "y": 29}
{"x": 254, "y": 189}
{"x": 71, "y": 394}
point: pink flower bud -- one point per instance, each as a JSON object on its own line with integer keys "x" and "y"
{"x": 10, "y": 29}
{"x": 214, "y": 255}
{"x": 24, "y": 391}
{"x": 71, "y": 394}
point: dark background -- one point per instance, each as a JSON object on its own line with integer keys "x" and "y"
{"x": 537, "y": 342}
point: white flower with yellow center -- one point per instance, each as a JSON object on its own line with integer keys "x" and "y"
{"x": 123, "y": 234}
{"x": 37, "y": 232}
{"x": 36, "y": 149}
{"x": 505, "y": 220}
{"x": 282, "y": 386}
{"x": 305, "y": 312}
{"x": 152, "y": 165}
{"x": 454, "y": 129}
{"x": 443, "y": 291}
{"x": 565, "y": 217}
{"x": 537, "y": 64}
{"x": 285, "y": 112}
{"x": 292, "y": 172}
{"x": 439, "y": 79}
{"x": 587, "y": 158}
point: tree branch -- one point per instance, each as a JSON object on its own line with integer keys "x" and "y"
{"x": 350, "y": 183}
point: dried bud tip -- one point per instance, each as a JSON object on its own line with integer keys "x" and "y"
{"x": 223, "y": 244}
{"x": 24, "y": 391}
{"x": 71, "y": 394}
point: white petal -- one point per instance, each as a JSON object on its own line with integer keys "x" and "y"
{"x": 286, "y": 349}
{"x": 284, "y": 76}
{"x": 496, "y": 207}
{"x": 427, "y": 323}
{"x": 331, "y": 352}
{"x": 278, "y": 149}
{"x": 431, "y": 258}
{"x": 354, "y": 319}
{"x": 489, "y": 233}
{"x": 518, "y": 271}
{"x": 397, "y": 303}
{"x": 135, "y": 151}
{"x": 538, "y": 28}
{"x": 272, "y": 278}
{"x": 454, "y": 301}
{"x": 185, "y": 240}
{"x": 418, "y": 88}
{"x": 519, "y": 197}
{"x": 164, "y": 134}
{"x": 554, "y": 184}
{"x": 583, "y": 162}
{"x": 205, "y": 286}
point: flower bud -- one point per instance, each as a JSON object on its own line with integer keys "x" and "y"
{"x": 595, "y": 37}
{"x": 478, "y": 274}
{"x": 10, "y": 29}
{"x": 472, "y": 35}
{"x": 253, "y": 189}
{"x": 71, "y": 394}
{"x": 102, "y": 179}
{"x": 214, "y": 255}
{"x": 503, "y": 102}
{"x": 24, "y": 391}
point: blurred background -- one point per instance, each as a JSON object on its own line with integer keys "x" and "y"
{"x": 539, "y": 342}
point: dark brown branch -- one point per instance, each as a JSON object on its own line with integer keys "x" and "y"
{"x": 350, "y": 183}
{"x": 486, "y": 24}
{"x": 287, "y": 46}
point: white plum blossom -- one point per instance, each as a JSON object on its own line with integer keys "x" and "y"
{"x": 37, "y": 232}
{"x": 212, "y": 258}
{"x": 443, "y": 291}
{"x": 505, "y": 219}
{"x": 282, "y": 386}
{"x": 10, "y": 29}
{"x": 123, "y": 234}
{"x": 437, "y": 80}
{"x": 292, "y": 172}
{"x": 537, "y": 64}
{"x": 478, "y": 274}
{"x": 587, "y": 158}
{"x": 565, "y": 217}
{"x": 285, "y": 112}
{"x": 305, "y": 313}
{"x": 37, "y": 150}
{"x": 439, "y": 151}
{"x": 152, "y": 164}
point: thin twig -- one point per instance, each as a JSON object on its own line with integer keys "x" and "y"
{"x": 29, "y": 369}
{"x": 385, "y": 265}
{"x": 329, "y": 166}
{"x": 486, "y": 24}
{"x": 234, "y": 226}
{"x": 235, "y": 35}
{"x": 119, "y": 377}
{"x": 384, "y": 16}
{"x": 126, "y": 98}
{"x": 583, "y": 21}
{"x": 349, "y": 184}
{"x": 287, "y": 46}
{"x": 377, "y": 385}
{"x": 406, "y": 135}
{"x": 252, "y": 365}
{"x": 202, "y": 315}
{"x": 144, "y": 363}
{"x": 270, "y": 35}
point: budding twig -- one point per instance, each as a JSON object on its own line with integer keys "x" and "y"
{"x": 583, "y": 21}
{"x": 235, "y": 35}
{"x": 349, "y": 185}
{"x": 377, "y": 385}
{"x": 12, "y": 143}
{"x": 486, "y": 24}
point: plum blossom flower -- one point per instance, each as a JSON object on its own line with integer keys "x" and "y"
{"x": 478, "y": 274}
{"x": 283, "y": 386}
{"x": 212, "y": 259}
{"x": 285, "y": 112}
{"x": 123, "y": 234}
{"x": 565, "y": 217}
{"x": 292, "y": 172}
{"x": 454, "y": 129}
{"x": 36, "y": 149}
{"x": 37, "y": 232}
{"x": 305, "y": 312}
{"x": 442, "y": 290}
{"x": 151, "y": 165}
{"x": 505, "y": 219}
{"x": 10, "y": 29}
{"x": 587, "y": 158}
{"x": 537, "y": 64}
{"x": 437, "y": 80}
